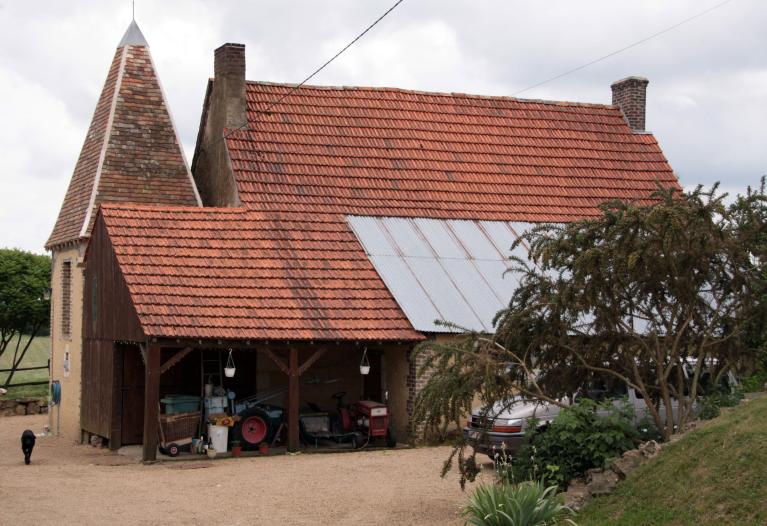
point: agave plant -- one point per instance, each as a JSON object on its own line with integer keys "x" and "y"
{"x": 525, "y": 504}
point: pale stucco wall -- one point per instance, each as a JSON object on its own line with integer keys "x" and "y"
{"x": 68, "y": 414}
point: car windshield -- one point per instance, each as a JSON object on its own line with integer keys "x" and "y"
{"x": 603, "y": 388}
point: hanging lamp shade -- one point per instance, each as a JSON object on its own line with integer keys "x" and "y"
{"x": 365, "y": 363}
{"x": 230, "y": 368}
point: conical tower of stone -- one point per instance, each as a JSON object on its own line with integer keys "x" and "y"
{"x": 132, "y": 153}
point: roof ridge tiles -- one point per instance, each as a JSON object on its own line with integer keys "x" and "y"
{"x": 423, "y": 92}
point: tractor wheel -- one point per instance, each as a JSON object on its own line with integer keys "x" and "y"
{"x": 253, "y": 428}
{"x": 173, "y": 450}
{"x": 357, "y": 440}
{"x": 391, "y": 439}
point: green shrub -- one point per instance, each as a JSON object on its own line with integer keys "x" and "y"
{"x": 754, "y": 382}
{"x": 525, "y": 504}
{"x": 577, "y": 440}
{"x": 647, "y": 430}
{"x": 711, "y": 404}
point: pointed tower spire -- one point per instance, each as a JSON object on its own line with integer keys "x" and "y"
{"x": 132, "y": 152}
{"x": 133, "y": 36}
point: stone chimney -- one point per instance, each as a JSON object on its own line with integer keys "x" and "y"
{"x": 225, "y": 110}
{"x": 630, "y": 96}
{"x": 229, "y": 71}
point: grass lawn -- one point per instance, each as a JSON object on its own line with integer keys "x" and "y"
{"x": 37, "y": 355}
{"x": 715, "y": 475}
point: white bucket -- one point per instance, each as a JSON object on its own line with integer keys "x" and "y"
{"x": 229, "y": 372}
{"x": 364, "y": 369}
{"x": 219, "y": 436}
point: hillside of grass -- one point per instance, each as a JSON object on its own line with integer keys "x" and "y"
{"x": 37, "y": 355}
{"x": 714, "y": 475}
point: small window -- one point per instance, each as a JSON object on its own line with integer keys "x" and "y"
{"x": 66, "y": 298}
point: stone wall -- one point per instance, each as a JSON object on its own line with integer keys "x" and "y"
{"x": 23, "y": 406}
{"x": 67, "y": 372}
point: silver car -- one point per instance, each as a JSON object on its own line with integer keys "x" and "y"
{"x": 502, "y": 428}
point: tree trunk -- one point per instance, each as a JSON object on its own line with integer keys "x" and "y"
{"x": 16, "y": 362}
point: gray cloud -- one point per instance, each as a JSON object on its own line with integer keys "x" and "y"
{"x": 707, "y": 98}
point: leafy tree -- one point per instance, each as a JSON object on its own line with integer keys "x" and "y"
{"x": 24, "y": 279}
{"x": 655, "y": 295}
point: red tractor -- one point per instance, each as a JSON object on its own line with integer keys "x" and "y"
{"x": 367, "y": 418}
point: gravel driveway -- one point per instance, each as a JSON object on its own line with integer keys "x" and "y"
{"x": 74, "y": 484}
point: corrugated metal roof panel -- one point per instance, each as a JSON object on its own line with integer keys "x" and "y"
{"x": 476, "y": 288}
{"x": 448, "y": 270}
{"x": 440, "y": 238}
{"x": 443, "y": 293}
{"x": 408, "y": 293}
{"x": 408, "y": 241}
{"x": 371, "y": 234}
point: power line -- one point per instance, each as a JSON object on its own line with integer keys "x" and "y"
{"x": 307, "y": 79}
{"x": 621, "y": 50}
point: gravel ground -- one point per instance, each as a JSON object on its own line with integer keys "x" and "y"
{"x": 74, "y": 484}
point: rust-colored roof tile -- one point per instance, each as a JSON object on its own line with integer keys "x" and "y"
{"x": 131, "y": 152}
{"x": 237, "y": 273}
{"x": 394, "y": 152}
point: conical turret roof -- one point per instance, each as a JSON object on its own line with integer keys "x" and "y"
{"x": 132, "y": 152}
{"x": 133, "y": 36}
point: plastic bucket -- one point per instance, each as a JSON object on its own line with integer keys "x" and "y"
{"x": 219, "y": 437}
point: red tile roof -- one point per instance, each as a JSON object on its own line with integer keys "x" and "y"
{"x": 240, "y": 274}
{"x": 381, "y": 151}
{"x": 141, "y": 161}
{"x": 287, "y": 266}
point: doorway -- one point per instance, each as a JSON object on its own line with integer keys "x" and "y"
{"x": 131, "y": 395}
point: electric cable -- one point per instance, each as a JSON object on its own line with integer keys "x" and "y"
{"x": 316, "y": 71}
{"x": 621, "y": 50}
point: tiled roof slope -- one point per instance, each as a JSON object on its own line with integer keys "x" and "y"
{"x": 237, "y": 273}
{"x": 381, "y": 151}
{"x": 131, "y": 152}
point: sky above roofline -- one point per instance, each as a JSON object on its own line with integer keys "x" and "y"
{"x": 707, "y": 96}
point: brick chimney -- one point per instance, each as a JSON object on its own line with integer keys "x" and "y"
{"x": 630, "y": 96}
{"x": 225, "y": 110}
{"x": 229, "y": 70}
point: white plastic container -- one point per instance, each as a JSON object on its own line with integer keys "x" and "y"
{"x": 219, "y": 437}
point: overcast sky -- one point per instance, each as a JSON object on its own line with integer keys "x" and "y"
{"x": 707, "y": 98}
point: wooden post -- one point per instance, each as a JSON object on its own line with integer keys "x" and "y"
{"x": 151, "y": 401}
{"x": 115, "y": 435}
{"x": 293, "y": 377}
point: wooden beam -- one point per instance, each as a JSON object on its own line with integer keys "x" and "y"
{"x": 173, "y": 360}
{"x": 115, "y": 435}
{"x": 276, "y": 359}
{"x": 293, "y": 376}
{"x": 151, "y": 401}
{"x": 142, "y": 348}
{"x": 313, "y": 358}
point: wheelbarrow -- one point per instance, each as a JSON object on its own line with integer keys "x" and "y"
{"x": 177, "y": 430}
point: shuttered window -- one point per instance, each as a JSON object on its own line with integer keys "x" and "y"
{"x": 66, "y": 298}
